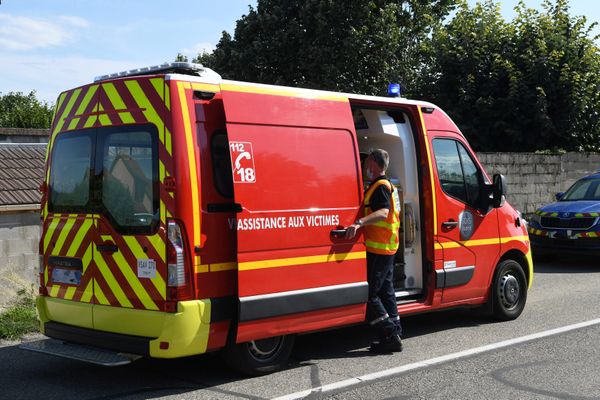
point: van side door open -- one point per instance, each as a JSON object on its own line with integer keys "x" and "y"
{"x": 296, "y": 174}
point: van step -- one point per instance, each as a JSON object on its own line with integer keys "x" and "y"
{"x": 79, "y": 352}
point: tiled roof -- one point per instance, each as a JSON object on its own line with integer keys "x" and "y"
{"x": 24, "y": 132}
{"x": 21, "y": 173}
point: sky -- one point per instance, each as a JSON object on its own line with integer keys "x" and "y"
{"x": 53, "y": 45}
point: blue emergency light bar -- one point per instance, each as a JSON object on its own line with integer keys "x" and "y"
{"x": 394, "y": 90}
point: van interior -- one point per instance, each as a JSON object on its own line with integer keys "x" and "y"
{"x": 391, "y": 130}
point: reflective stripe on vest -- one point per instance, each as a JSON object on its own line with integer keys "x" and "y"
{"x": 382, "y": 237}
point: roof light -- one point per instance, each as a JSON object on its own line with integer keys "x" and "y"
{"x": 394, "y": 90}
{"x": 174, "y": 67}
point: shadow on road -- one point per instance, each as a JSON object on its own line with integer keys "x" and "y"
{"x": 353, "y": 342}
{"x": 566, "y": 264}
{"x": 29, "y": 375}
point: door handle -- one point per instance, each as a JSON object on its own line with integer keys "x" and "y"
{"x": 338, "y": 233}
{"x": 450, "y": 224}
{"x": 107, "y": 247}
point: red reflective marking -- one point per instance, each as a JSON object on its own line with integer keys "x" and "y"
{"x": 132, "y": 264}
{"x": 122, "y": 281}
{"x": 153, "y": 96}
{"x": 109, "y": 109}
{"x": 130, "y": 103}
{"x": 60, "y": 111}
{"x": 89, "y": 109}
{"x": 106, "y": 290}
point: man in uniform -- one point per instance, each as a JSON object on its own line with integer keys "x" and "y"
{"x": 381, "y": 222}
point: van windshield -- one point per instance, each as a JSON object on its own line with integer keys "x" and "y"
{"x": 112, "y": 171}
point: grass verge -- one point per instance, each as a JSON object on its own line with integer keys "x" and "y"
{"x": 20, "y": 318}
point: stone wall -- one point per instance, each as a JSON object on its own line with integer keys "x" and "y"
{"x": 24, "y": 135}
{"x": 534, "y": 179}
{"x": 19, "y": 236}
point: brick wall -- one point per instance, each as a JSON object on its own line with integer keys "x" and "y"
{"x": 534, "y": 179}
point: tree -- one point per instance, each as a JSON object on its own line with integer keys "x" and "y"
{"x": 24, "y": 111}
{"x": 527, "y": 85}
{"x": 357, "y": 45}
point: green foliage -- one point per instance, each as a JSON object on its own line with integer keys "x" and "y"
{"x": 357, "y": 46}
{"x": 18, "y": 110}
{"x": 20, "y": 318}
{"x": 529, "y": 84}
{"x": 524, "y": 85}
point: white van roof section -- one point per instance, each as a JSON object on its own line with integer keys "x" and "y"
{"x": 183, "y": 68}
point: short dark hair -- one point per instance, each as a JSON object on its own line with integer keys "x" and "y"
{"x": 381, "y": 158}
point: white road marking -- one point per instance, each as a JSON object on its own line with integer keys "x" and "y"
{"x": 433, "y": 361}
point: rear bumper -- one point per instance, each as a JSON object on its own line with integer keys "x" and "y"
{"x": 148, "y": 333}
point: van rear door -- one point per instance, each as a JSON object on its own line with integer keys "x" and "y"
{"x": 296, "y": 176}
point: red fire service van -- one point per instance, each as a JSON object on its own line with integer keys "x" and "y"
{"x": 184, "y": 214}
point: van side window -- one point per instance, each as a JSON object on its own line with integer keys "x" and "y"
{"x": 221, "y": 161}
{"x": 457, "y": 172}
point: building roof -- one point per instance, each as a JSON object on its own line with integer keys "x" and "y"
{"x": 21, "y": 173}
{"x": 24, "y": 132}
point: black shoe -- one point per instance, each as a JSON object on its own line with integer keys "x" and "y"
{"x": 388, "y": 345}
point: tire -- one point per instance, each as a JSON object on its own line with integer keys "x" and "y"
{"x": 259, "y": 357}
{"x": 509, "y": 291}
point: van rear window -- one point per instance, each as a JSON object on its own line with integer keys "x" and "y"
{"x": 70, "y": 174}
{"x": 112, "y": 171}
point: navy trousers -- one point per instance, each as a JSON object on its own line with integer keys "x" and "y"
{"x": 382, "y": 311}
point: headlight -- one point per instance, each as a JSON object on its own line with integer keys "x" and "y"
{"x": 535, "y": 218}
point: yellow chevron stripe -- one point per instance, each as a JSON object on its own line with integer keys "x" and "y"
{"x": 102, "y": 299}
{"x": 159, "y": 245}
{"x": 134, "y": 282}
{"x": 83, "y": 230}
{"x": 149, "y": 112}
{"x": 87, "y": 257}
{"x": 50, "y": 231}
{"x": 190, "y": 145}
{"x": 67, "y": 111}
{"x": 117, "y": 102}
{"x": 168, "y": 97}
{"x": 159, "y": 86}
{"x": 286, "y": 262}
{"x": 83, "y": 105}
{"x": 70, "y": 293}
{"x": 103, "y": 118}
{"x": 111, "y": 281}
{"x": 54, "y": 290}
{"x": 91, "y": 120}
{"x": 88, "y": 292}
{"x": 138, "y": 252}
{"x": 66, "y": 229}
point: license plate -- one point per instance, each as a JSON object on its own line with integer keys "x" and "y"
{"x": 66, "y": 276}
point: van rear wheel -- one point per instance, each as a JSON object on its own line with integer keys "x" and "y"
{"x": 259, "y": 357}
{"x": 509, "y": 290}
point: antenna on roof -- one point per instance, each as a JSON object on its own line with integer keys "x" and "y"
{"x": 185, "y": 68}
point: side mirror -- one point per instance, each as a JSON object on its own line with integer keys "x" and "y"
{"x": 559, "y": 195}
{"x": 498, "y": 191}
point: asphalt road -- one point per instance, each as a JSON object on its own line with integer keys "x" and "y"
{"x": 564, "y": 365}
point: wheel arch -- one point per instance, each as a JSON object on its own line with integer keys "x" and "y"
{"x": 523, "y": 259}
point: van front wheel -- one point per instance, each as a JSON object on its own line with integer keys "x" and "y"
{"x": 259, "y": 357}
{"x": 509, "y": 290}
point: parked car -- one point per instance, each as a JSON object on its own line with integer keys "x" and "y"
{"x": 572, "y": 223}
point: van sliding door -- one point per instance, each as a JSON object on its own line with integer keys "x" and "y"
{"x": 296, "y": 176}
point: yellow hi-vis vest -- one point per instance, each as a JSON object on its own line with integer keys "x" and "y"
{"x": 382, "y": 237}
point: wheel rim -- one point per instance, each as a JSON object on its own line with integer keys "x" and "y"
{"x": 265, "y": 349}
{"x": 510, "y": 291}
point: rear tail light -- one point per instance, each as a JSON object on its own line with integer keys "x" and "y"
{"x": 175, "y": 256}
{"x": 178, "y": 279}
